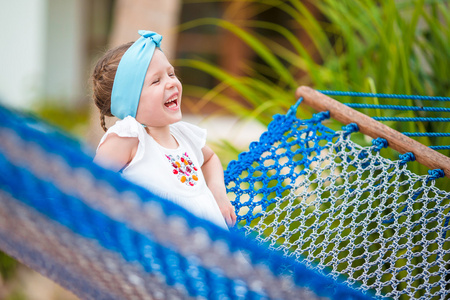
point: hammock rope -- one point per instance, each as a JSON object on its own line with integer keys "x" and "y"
{"x": 102, "y": 237}
{"x": 417, "y": 108}
{"x": 380, "y": 95}
{"x": 319, "y": 216}
{"x": 398, "y": 107}
{"x": 416, "y": 119}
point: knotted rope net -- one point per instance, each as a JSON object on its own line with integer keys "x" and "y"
{"x": 320, "y": 198}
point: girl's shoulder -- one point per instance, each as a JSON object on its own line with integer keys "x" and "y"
{"x": 124, "y": 139}
{"x": 113, "y": 139}
{"x": 126, "y": 128}
{"x": 116, "y": 152}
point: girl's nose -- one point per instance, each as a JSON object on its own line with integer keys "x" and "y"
{"x": 171, "y": 82}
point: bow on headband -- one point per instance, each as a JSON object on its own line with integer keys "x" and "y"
{"x": 131, "y": 73}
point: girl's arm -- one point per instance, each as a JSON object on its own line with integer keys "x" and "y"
{"x": 116, "y": 152}
{"x": 213, "y": 172}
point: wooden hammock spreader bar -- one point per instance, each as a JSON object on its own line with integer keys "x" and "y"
{"x": 397, "y": 141}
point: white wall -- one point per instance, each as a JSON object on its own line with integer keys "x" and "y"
{"x": 41, "y": 51}
{"x": 65, "y": 51}
{"x": 22, "y": 40}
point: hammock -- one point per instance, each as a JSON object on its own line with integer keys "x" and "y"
{"x": 321, "y": 217}
{"x": 324, "y": 200}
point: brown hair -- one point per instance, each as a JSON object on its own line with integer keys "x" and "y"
{"x": 103, "y": 79}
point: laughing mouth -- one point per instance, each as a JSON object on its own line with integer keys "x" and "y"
{"x": 171, "y": 103}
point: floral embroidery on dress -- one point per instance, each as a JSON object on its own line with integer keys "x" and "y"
{"x": 184, "y": 169}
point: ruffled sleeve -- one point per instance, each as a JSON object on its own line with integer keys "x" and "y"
{"x": 193, "y": 135}
{"x": 128, "y": 127}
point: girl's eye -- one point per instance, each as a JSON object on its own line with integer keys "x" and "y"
{"x": 155, "y": 81}
{"x": 171, "y": 74}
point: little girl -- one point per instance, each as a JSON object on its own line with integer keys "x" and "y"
{"x": 150, "y": 145}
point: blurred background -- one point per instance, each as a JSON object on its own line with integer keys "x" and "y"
{"x": 240, "y": 62}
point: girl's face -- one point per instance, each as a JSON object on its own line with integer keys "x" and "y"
{"x": 160, "y": 100}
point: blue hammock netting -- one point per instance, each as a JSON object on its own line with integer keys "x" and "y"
{"x": 319, "y": 217}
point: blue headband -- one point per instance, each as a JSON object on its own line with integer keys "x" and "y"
{"x": 131, "y": 73}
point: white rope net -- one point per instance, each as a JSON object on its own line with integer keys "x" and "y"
{"x": 357, "y": 214}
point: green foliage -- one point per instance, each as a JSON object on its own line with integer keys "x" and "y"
{"x": 16, "y": 295}
{"x": 69, "y": 118}
{"x": 7, "y": 266}
{"x": 400, "y": 47}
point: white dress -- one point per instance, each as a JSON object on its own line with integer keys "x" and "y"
{"x": 173, "y": 174}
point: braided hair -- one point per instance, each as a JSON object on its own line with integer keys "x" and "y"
{"x": 103, "y": 79}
